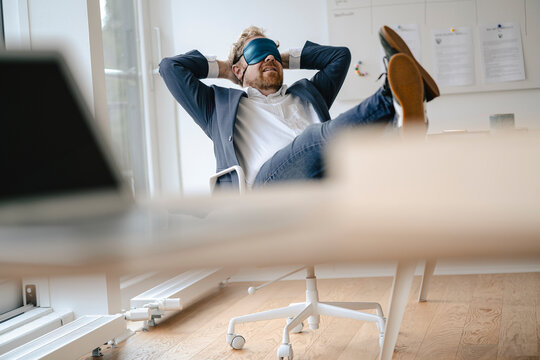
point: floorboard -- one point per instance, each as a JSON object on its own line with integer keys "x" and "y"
{"x": 466, "y": 317}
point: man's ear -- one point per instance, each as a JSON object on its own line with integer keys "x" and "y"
{"x": 238, "y": 71}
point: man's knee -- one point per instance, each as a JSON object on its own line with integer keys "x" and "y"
{"x": 313, "y": 134}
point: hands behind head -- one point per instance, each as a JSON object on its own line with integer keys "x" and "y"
{"x": 225, "y": 72}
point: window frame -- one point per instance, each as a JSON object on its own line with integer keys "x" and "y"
{"x": 140, "y": 172}
{"x": 2, "y": 31}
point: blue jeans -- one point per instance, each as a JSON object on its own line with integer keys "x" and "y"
{"x": 302, "y": 159}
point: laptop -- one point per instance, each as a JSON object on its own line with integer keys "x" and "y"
{"x": 54, "y": 164}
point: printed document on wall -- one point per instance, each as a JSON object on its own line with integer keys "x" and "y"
{"x": 502, "y": 52}
{"x": 453, "y": 56}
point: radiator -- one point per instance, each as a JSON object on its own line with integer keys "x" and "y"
{"x": 71, "y": 341}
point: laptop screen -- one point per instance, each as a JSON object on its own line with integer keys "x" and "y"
{"x": 47, "y": 146}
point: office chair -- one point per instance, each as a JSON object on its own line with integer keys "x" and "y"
{"x": 296, "y": 313}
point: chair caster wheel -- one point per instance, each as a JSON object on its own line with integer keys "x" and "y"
{"x": 285, "y": 352}
{"x": 236, "y": 341}
{"x": 297, "y": 329}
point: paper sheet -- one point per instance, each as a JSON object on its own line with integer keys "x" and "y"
{"x": 453, "y": 56}
{"x": 502, "y": 52}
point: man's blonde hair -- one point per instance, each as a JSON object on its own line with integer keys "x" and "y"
{"x": 236, "y": 50}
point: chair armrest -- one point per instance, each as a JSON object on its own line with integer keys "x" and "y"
{"x": 241, "y": 178}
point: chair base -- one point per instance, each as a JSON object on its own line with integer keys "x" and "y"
{"x": 311, "y": 310}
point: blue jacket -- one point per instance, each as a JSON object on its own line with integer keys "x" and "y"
{"x": 214, "y": 107}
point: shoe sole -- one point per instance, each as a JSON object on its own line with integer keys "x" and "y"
{"x": 396, "y": 42}
{"x": 406, "y": 83}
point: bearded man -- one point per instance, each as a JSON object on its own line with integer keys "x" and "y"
{"x": 279, "y": 133}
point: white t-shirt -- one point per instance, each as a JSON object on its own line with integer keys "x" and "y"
{"x": 265, "y": 124}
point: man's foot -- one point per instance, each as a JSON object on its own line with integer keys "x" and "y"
{"x": 408, "y": 91}
{"x": 393, "y": 44}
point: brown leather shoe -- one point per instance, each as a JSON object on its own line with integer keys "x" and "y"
{"x": 393, "y": 44}
{"x": 408, "y": 90}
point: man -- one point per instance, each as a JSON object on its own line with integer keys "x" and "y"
{"x": 278, "y": 133}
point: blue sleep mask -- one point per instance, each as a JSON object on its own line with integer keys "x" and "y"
{"x": 258, "y": 49}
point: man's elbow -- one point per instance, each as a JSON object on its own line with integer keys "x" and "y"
{"x": 164, "y": 66}
{"x": 345, "y": 54}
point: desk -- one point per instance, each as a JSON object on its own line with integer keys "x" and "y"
{"x": 400, "y": 201}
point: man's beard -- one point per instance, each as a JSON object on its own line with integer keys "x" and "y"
{"x": 270, "y": 81}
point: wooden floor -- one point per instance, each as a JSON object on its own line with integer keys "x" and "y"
{"x": 466, "y": 317}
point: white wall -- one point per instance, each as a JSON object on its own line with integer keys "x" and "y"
{"x": 211, "y": 26}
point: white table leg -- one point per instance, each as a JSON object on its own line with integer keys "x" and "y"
{"x": 398, "y": 301}
{"x": 426, "y": 280}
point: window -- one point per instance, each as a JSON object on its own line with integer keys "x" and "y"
{"x": 124, "y": 89}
